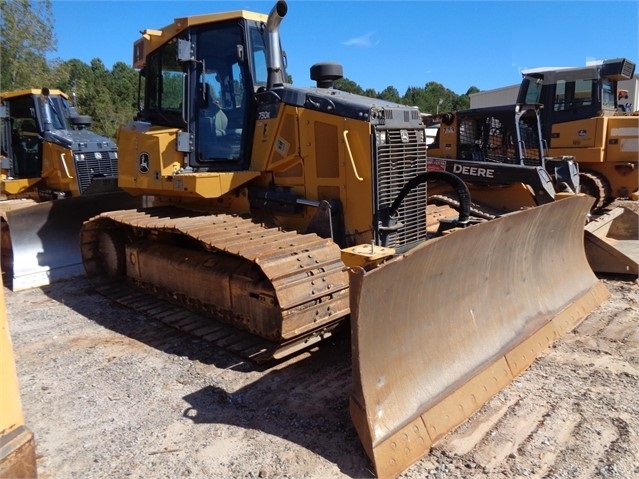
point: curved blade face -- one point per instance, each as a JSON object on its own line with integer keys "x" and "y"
{"x": 45, "y": 237}
{"x": 612, "y": 242}
{"x": 441, "y": 329}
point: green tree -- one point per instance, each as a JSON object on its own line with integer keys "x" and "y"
{"x": 26, "y": 35}
{"x": 344, "y": 84}
{"x": 390, "y": 93}
{"x": 416, "y": 96}
{"x": 463, "y": 101}
{"x": 370, "y": 92}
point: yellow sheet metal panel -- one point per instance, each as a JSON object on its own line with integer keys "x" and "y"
{"x": 30, "y": 91}
{"x": 17, "y": 446}
{"x": 16, "y": 186}
{"x": 10, "y": 406}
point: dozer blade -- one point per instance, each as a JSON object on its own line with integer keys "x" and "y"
{"x": 441, "y": 329}
{"x": 612, "y": 242}
{"x": 41, "y": 243}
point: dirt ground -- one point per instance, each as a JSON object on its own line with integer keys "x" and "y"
{"x": 110, "y": 393}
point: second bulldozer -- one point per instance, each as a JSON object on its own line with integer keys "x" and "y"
{"x": 283, "y": 211}
{"x": 54, "y": 174}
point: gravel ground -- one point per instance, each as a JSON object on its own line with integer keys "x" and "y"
{"x": 110, "y": 393}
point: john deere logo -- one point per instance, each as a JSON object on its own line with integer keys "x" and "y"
{"x": 144, "y": 162}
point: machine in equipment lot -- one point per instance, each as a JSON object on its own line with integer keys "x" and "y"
{"x": 500, "y": 153}
{"x": 282, "y": 211}
{"x": 582, "y": 118}
{"x": 47, "y": 155}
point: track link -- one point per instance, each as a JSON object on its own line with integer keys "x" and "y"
{"x": 279, "y": 291}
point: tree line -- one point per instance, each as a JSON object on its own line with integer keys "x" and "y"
{"x": 110, "y": 97}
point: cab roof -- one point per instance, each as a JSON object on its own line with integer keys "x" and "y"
{"x": 153, "y": 39}
{"x": 5, "y": 95}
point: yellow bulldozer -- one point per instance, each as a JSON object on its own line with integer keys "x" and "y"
{"x": 279, "y": 212}
{"x": 54, "y": 174}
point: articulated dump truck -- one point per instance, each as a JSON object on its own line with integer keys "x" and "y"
{"x": 280, "y": 212}
{"x": 55, "y": 174}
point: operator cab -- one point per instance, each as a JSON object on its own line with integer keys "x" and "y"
{"x": 29, "y": 115}
{"x": 575, "y": 93}
{"x": 203, "y": 82}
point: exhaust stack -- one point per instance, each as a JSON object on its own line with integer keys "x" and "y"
{"x": 273, "y": 48}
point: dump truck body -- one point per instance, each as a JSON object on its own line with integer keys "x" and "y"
{"x": 49, "y": 155}
{"x": 265, "y": 194}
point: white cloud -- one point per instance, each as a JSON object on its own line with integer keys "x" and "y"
{"x": 361, "y": 41}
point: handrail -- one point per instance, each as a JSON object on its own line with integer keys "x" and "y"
{"x": 350, "y": 154}
{"x": 64, "y": 163}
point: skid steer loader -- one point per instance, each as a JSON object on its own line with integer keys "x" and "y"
{"x": 266, "y": 195}
{"x": 499, "y": 152}
{"x": 55, "y": 173}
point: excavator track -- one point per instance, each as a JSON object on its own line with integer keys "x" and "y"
{"x": 254, "y": 290}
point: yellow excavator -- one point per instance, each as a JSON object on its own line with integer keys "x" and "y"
{"x": 279, "y": 212}
{"x": 17, "y": 442}
{"x": 54, "y": 174}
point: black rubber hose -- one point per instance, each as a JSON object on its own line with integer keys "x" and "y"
{"x": 463, "y": 193}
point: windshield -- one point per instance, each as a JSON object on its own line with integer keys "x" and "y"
{"x": 55, "y": 111}
{"x": 608, "y": 99}
{"x": 533, "y": 90}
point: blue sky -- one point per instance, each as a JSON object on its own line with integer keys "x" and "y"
{"x": 380, "y": 43}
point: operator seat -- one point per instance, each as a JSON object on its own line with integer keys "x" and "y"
{"x": 213, "y": 120}
{"x": 212, "y": 126}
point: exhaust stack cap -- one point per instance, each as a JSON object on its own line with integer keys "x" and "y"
{"x": 326, "y": 73}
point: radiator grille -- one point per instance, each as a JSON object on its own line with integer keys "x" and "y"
{"x": 399, "y": 158}
{"x": 89, "y": 165}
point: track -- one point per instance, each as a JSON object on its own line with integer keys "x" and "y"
{"x": 289, "y": 289}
